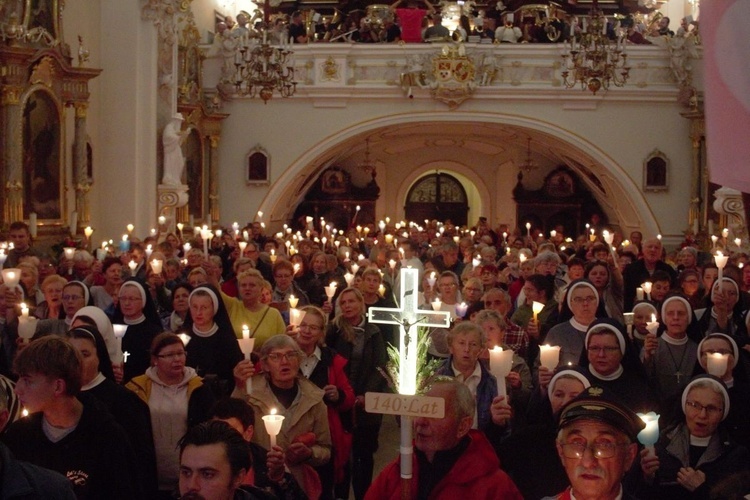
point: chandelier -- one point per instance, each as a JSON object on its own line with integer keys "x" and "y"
{"x": 529, "y": 164}
{"x": 595, "y": 61}
{"x": 263, "y": 69}
{"x": 367, "y": 165}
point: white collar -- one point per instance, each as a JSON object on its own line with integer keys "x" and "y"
{"x": 136, "y": 321}
{"x": 207, "y": 333}
{"x": 699, "y": 441}
{"x": 96, "y": 381}
{"x": 476, "y": 373}
{"x": 578, "y": 326}
{"x": 614, "y": 376}
{"x": 317, "y": 354}
{"x": 671, "y": 340}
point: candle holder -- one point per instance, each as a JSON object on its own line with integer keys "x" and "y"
{"x": 119, "y": 331}
{"x": 436, "y": 304}
{"x": 650, "y": 435}
{"x": 716, "y": 364}
{"x": 11, "y": 277}
{"x": 26, "y": 325}
{"x": 273, "y": 423}
{"x": 330, "y": 290}
{"x": 132, "y": 266}
{"x": 629, "y": 319}
{"x": 156, "y": 266}
{"x": 549, "y": 356}
{"x": 501, "y": 362}
{"x": 536, "y": 307}
{"x": 296, "y": 316}
{"x": 461, "y": 309}
{"x": 293, "y": 301}
{"x": 246, "y": 346}
{"x": 646, "y": 286}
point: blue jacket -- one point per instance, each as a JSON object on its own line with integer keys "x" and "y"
{"x": 486, "y": 392}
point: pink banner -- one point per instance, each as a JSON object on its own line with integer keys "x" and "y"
{"x": 723, "y": 26}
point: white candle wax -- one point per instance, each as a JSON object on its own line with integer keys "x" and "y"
{"x": 716, "y": 364}
{"x": 501, "y": 362}
{"x": 273, "y": 423}
{"x": 549, "y": 356}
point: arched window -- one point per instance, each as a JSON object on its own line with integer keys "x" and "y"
{"x": 437, "y": 196}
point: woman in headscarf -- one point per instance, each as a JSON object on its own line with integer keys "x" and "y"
{"x": 532, "y": 449}
{"x": 180, "y": 308}
{"x": 213, "y": 349}
{"x": 643, "y": 312}
{"x": 607, "y": 279}
{"x": 694, "y": 456}
{"x": 93, "y": 315}
{"x": 136, "y": 309}
{"x": 582, "y": 300}
{"x": 131, "y": 413}
{"x": 724, "y": 313}
{"x": 610, "y": 361}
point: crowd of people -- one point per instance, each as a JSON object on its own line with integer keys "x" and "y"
{"x": 122, "y": 370}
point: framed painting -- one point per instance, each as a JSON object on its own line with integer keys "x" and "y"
{"x": 656, "y": 172}
{"x": 257, "y": 166}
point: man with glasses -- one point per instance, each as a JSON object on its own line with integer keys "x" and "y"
{"x": 597, "y": 445}
{"x": 305, "y": 438}
{"x": 284, "y": 287}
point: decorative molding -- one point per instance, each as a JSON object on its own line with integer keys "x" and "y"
{"x": 729, "y": 202}
{"x": 43, "y": 73}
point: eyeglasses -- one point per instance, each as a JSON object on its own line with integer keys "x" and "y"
{"x": 172, "y": 355}
{"x": 600, "y": 450}
{"x": 581, "y": 300}
{"x": 278, "y": 356}
{"x": 314, "y": 328}
{"x": 603, "y": 348}
{"x": 697, "y": 408}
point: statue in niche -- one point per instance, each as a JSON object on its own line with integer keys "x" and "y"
{"x": 174, "y": 161}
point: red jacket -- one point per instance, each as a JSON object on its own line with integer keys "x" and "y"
{"x": 475, "y": 476}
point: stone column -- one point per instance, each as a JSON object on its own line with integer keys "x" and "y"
{"x": 12, "y": 154}
{"x": 81, "y": 180}
{"x": 697, "y": 174}
{"x": 213, "y": 179}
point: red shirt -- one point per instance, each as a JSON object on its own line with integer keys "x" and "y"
{"x": 410, "y": 21}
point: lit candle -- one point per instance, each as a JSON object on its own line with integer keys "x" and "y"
{"x": 330, "y": 290}
{"x": 475, "y": 262}
{"x": 88, "y": 232}
{"x": 436, "y": 304}
{"x": 381, "y": 290}
{"x": 273, "y": 256}
{"x": 11, "y": 277}
{"x": 124, "y": 244}
{"x": 431, "y": 280}
{"x": 737, "y": 242}
{"x": 296, "y": 316}
{"x": 130, "y": 228}
{"x": 349, "y": 277}
{"x": 646, "y": 287}
{"x": 119, "y": 331}
{"x": 185, "y": 338}
{"x": 149, "y": 250}
{"x": 132, "y": 265}
{"x": 521, "y": 258}
{"x": 629, "y": 318}
{"x": 528, "y": 229}
{"x": 536, "y": 307}
{"x": 461, "y": 309}
{"x": 639, "y": 293}
{"x": 156, "y": 266}
{"x": 725, "y": 233}
{"x": 293, "y": 301}
{"x": 501, "y": 362}
{"x": 650, "y": 434}
{"x": 552, "y": 234}
{"x": 246, "y": 346}
{"x": 392, "y": 264}
{"x": 273, "y": 421}
{"x": 243, "y": 246}
{"x": 716, "y": 364}
{"x": 652, "y": 326}
{"x": 721, "y": 261}
{"x": 69, "y": 253}
{"x": 549, "y": 356}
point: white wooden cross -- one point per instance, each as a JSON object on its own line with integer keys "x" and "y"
{"x": 405, "y": 317}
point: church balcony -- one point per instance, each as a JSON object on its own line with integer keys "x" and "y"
{"x": 333, "y": 74}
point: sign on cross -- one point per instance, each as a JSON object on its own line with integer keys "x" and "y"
{"x": 407, "y": 316}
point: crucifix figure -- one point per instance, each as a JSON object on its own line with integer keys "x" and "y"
{"x": 405, "y": 317}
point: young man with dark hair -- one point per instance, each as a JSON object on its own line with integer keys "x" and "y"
{"x": 67, "y": 431}
{"x": 20, "y": 236}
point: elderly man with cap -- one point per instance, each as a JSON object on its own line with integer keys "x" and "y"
{"x": 596, "y": 443}
{"x": 695, "y": 457}
{"x": 451, "y": 460}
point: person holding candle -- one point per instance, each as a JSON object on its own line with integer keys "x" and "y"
{"x": 75, "y": 295}
{"x": 495, "y": 329}
{"x": 531, "y": 449}
{"x": 451, "y": 460}
{"x": 596, "y": 443}
{"x": 642, "y": 313}
{"x": 51, "y": 307}
{"x": 642, "y": 270}
{"x": 68, "y": 431}
{"x": 104, "y": 296}
{"x": 285, "y": 286}
{"x": 670, "y": 358}
{"x": 319, "y": 278}
{"x": 735, "y": 377}
{"x": 20, "y": 236}
{"x": 213, "y": 350}
{"x": 362, "y": 344}
{"x": 611, "y": 362}
{"x": 304, "y": 437}
{"x": 723, "y": 314}
{"x": 582, "y": 301}
{"x": 325, "y": 368}
{"x": 177, "y": 398}
{"x": 30, "y": 283}
{"x": 97, "y": 379}
{"x": 230, "y": 286}
{"x": 247, "y": 309}
{"x": 695, "y": 455}
{"x": 136, "y": 309}
{"x": 539, "y": 289}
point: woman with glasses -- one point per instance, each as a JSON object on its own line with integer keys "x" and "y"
{"x": 735, "y": 377}
{"x": 610, "y": 361}
{"x": 582, "y": 301}
{"x": 322, "y": 366}
{"x": 177, "y": 400}
{"x": 305, "y": 438}
{"x": 75, "y": 295}
{"x": 136, "y": 309}
{"x": 693, "y": 457}
{"x": 213, "y": 349}
{"x": 689, "y": 283}
{"x": 362, "y": 344}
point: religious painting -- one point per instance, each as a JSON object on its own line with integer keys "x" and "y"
{"x": 194, "y": 172}
{"x": 333, "y": 181}
{"x": 42, "y": 155}
{"x": 560, "y": 184}
{"x": 655, "y": 172}
{"x": 256, "y": 166}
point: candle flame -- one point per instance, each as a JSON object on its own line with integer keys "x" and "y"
{"x": 273, "y": 411}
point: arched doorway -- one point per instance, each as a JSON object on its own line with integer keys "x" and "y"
{"x": 437, "y": 196}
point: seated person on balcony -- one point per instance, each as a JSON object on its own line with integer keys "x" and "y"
{"x": 410, "y": 19}
{"x": 297, "y": 30}
{"x": 392, "y": 31}
{"x": 437, "y": 31}
{"x": 663, "y": 28}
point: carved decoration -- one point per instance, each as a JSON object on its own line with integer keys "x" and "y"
{"x": 729, "y": 202}
{"x": 330, "y": 70}
{"x": 43, "y": 73}
{"x": 453, "y": 76}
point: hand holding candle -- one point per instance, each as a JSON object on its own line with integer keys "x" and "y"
{"x": 650, "y": 435}
{"x": 501, "y": 362}
{"x": 721, "y": 261}
{"x": 536, "y": 307}
{"x": 246, "y": 346}
{"x": 652, "y": 326}
{"x": 647, "y": 289}
{"x": 273, "y": 423}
